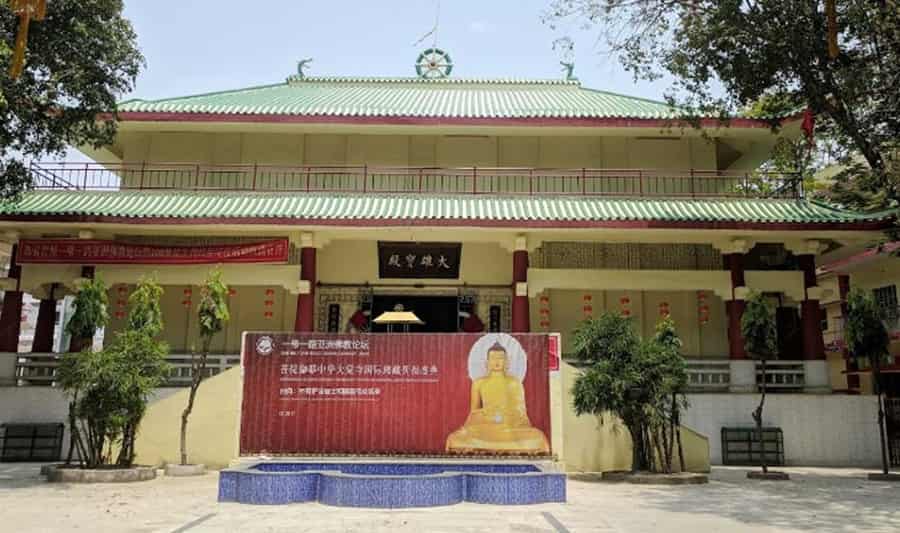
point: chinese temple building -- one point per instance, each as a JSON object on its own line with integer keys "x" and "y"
{"x": 495, "y": 205}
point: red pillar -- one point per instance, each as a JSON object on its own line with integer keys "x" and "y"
{"x": 810, "y": 312}
{"x": 735, "y": 307}
{"x": 850, "y": 364}
{"x": 306, "y": 302}
{"x": 11, "y": 313}
{"x": 43, "y": 330}
{"x": 521, "y": 320}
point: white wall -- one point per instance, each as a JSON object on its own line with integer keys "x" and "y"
{"x": 46, "y": 405}
{"x": 823, "y": 430}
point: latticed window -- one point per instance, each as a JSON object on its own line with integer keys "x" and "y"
{"x": 886, "y": 298}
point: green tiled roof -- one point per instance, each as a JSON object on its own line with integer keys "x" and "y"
{"x": 475, "y": 208}
{"x": 414, "y": 97}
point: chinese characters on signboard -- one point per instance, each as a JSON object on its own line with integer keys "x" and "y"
{"x": 398, "y": 393}
{"x": 419, "y": 259}
{"x": 90, "y": 252}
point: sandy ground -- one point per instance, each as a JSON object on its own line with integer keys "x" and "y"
{"x": 816, "y": 500}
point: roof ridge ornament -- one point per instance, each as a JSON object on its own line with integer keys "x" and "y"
{"x": 569, "y": 69}
{"x": 302, "y": 65}
{"x": 434, "y": 63}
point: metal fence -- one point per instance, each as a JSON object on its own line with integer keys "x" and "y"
{"x": 416, "y": 180}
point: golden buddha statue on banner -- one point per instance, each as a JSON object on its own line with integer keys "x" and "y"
{"x": 498, "y": 419}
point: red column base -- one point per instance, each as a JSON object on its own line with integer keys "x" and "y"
{"x": 10, "y": 321}
{"x": 521, "y": 319}
{"x": 735, "y": 310}
{"x": 304, "y": 321}
{"x": 43, "y": 331}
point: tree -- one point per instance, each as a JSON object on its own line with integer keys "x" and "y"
{"x": 142, "y": 357}
{"x": 672, "y": 401}
{"x": 760, "y": 334}
{"x": 630, "y": 378}
{"x": 868, "y": 343}
{"x": 727, "y": 55}
{"x": 80, "y": 59}
{"x": 90, "y": 315}
{"x": 109, "y": 389}
{"x": 213, "y": 315}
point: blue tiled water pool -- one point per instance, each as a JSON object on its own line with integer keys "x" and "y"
{"x": 392, "y": 485}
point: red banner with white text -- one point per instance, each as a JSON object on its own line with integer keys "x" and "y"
{"x": 457, "y": 394}
{"x": 98, "y": 252}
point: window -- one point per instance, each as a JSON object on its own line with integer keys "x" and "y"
{"x": 886, "y": 299}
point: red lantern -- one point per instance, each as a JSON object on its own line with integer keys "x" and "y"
{"x": 664, "y": 309}
{"x": 702, "y": 308}
{"x": 625, "y": 304}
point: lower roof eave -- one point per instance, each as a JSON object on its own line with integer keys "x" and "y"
{"x": 871, "y": 225}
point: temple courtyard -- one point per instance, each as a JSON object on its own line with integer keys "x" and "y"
{"x": 817, "y": 499}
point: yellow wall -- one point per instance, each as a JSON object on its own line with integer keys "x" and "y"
{"x": 595, "y": 444}
{"x": 706, "y": 340}
{"x": 213, "y": 428}
{"x": 582, "y": 443}
{"x": 247, "y": 306}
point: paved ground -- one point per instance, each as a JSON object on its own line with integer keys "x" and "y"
{"x": 816, "y": 500}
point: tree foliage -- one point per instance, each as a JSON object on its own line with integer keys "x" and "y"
{"x": 91, "y": 303}
{"x": 865, "y": 333}
{"x": 109, "y": 389}
{"x": 726, "y": 55}
{"x": 758, "y": 328}
{"x": 631, "y": 378}
{"x": 79, "y": 60}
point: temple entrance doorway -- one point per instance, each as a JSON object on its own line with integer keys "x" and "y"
{"x": 438, "y": 312}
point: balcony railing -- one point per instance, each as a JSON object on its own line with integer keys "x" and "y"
{"x": 415, "y": 180}
{"x": 39, "y": 369}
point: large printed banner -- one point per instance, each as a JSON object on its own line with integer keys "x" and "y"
{"x": 97, "y": 252}
{"x": 412, "y": 393}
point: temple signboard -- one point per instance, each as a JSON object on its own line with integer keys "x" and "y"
{"x": 418, "y": 260}
{"x": 459, "y": 394}
{"x": 105, "y": 252}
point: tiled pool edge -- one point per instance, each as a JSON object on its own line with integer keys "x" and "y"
{"x": 331, "y": 487}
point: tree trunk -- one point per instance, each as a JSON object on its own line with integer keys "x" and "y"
{"x": 198, "y": 369}
{"x": 73, "y": 429}
{"x": 637, "y": 451}
{"x": 758, "y": 418}
{"x": 876, "y": 377}
{"x": 676, "y": 415}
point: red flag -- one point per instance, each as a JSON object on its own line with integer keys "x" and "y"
{"x": 809, "y": 124}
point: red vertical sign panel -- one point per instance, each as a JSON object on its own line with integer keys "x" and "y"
{"x": 395, "y": 393}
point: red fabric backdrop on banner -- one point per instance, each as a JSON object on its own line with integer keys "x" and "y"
{"x": 378, "y": 393}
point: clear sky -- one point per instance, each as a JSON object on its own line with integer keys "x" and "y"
{"x": 209, "y": 45}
